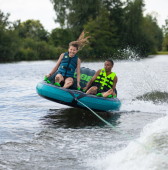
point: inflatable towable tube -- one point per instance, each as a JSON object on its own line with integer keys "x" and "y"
{"x": 69, "y": 96}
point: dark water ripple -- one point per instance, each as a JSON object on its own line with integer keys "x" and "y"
{"x": 156, "y": 97}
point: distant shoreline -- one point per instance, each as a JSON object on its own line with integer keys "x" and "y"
{"x": 162, "y": 53}
{"x": 86, "y": 59}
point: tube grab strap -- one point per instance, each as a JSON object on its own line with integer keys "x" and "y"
{"x": 75, "y": 99}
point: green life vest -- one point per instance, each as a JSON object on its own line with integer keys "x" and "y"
{"x": 106, "y": 82}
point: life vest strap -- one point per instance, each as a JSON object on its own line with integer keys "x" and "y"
{"x": 109, "y": 79}
{"x": 108, "y": 84}
{"x": 98, "y": 79}
{"x": 102, "y": 79}
{"x": 67, "y": 68}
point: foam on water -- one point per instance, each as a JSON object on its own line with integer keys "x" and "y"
{"x": 135, "y": 156}
{"x": 143, "y": 106}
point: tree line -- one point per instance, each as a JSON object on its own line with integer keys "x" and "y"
{"x": 165, "y": 33}
{"x": 26, "y": 41}
{"x": 112, "y": 24}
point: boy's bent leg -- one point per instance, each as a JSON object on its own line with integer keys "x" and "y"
{"x": 68, "y": 82}
{"x": 92, "y": 90}
{"x": 107, "y": 93}
{"x": 59, "y": 78}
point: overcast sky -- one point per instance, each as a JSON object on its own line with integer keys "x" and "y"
{"x": 43, "y": 10}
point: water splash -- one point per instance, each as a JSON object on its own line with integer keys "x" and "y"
{"x": 128, "y": 53}
{"x": 134, "y": 156}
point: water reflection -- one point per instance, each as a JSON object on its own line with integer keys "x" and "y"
{"x": 77, "y": 118}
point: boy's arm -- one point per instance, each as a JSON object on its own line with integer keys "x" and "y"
{"x": 56, "y": 66}
{"x": 114, "y": 83}
{"x": 92, "y": 80}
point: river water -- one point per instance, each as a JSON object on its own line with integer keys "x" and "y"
{"x": 39, "y": 134}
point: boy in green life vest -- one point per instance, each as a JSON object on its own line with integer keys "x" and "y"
{"x": 103, "y": 82}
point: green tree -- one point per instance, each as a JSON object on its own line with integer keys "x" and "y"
{"x": 61, "y": 37}
{"x": 133, "y": 18}
{"x": 75, "y": 14}
{"x": 4, "y": 21}
{"x": 116, "y": 15}
{"x": 103, "y": 32}
{"x": 152, "y": 37}
{"x": 157, "y": 32}
{"x": 31, "y": 28}
{"x": 165, "y": 32}
{"x": 141, "y": 33}
{"x": 9, "y": 40}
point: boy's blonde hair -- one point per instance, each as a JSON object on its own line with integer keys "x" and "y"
{"x": 80, "y": 42}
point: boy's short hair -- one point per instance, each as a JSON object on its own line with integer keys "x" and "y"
{"x": 111, "y": 61}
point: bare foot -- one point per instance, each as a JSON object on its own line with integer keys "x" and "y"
{"x": 92, "y": 90}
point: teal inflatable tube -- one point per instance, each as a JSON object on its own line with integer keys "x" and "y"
{"x": 71, "y": 96}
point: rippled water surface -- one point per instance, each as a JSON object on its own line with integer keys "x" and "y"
{"x": 40, "y": 134}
